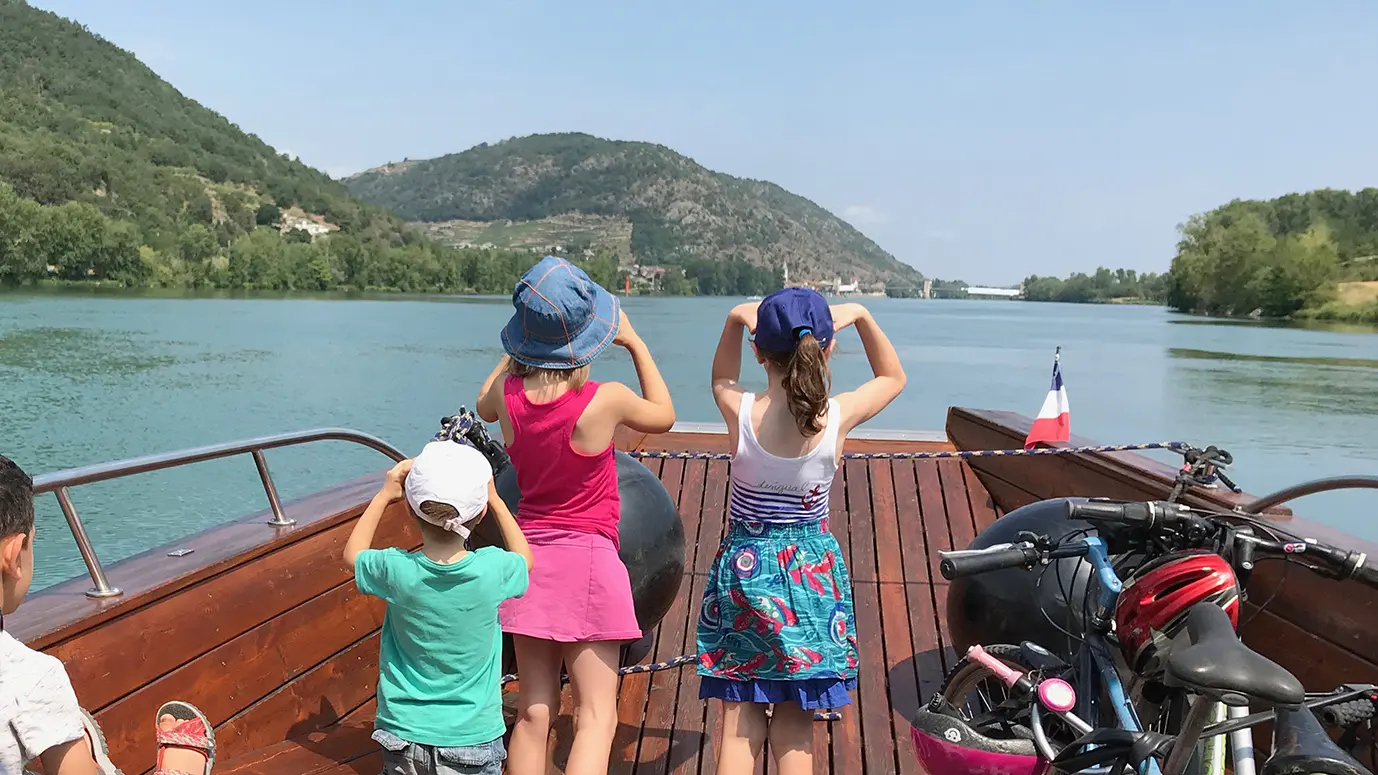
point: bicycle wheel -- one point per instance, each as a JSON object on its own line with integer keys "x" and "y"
{"x": 971, "y": 692}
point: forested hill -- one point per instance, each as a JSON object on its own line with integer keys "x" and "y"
{"x": 1279, "y": 257}
{"x": 675, "y": 210}
{"x": 108, "y": 172}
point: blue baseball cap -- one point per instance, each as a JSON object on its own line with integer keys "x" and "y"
{"x": 563, "y": 319}
{"x": 786, "y": 315}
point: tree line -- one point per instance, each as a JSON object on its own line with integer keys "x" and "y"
{"x": 75, "y": 241}
{"x": 1278, "y": 258}
{"x": 1103, "y": 285}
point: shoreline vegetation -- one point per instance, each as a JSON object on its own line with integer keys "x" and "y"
{"x": 1299, "y": 257}
{"x": 1311, "y": 256}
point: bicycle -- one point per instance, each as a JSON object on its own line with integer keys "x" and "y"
{"x": 1164, "y": 529}
{"x": 1113, "y": 749}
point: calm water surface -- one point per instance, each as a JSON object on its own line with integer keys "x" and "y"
{"x": 86, "y": 379}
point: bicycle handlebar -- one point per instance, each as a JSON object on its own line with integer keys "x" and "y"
{"x": 1148, "y": 515}
{"x": 971, "y": 562}
{"x": 1341, "y": 563}
{"x": 1164, "y": 518}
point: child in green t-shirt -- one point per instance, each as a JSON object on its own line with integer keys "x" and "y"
{"x": 439, "y": 700}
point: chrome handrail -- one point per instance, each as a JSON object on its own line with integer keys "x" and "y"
{"x": 60, "y": 482}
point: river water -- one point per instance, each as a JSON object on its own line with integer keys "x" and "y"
{"x": 92, "y": 378}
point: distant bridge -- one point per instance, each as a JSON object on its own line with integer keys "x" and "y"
{"x": 978, "y": 292}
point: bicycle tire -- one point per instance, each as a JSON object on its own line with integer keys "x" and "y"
{"x": 1010, "y": 655}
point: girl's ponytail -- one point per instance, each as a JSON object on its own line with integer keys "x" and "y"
{"x": 807, "y": 382}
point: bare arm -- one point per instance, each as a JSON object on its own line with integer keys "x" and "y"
{"x": 867, "y": 401}
{"x": 727, "y": 361}
{"x": 512, "y": 536}
{"x": 652, "y": 411}
{"x": 361, "y": 537}
{"x": 490, "y": 395}
{"x": 70, "y": 758}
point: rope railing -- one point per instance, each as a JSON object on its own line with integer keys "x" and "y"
{"x": 959, "y": 454}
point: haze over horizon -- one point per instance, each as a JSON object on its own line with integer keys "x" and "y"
{"x": 984, "y": 142}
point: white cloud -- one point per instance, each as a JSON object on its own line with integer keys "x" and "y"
{"x": 864, "y": 215}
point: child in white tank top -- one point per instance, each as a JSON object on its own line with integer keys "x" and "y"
{"x": 777, "y": 625}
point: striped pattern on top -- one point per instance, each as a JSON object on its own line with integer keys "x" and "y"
{"x": 755, "y": 504}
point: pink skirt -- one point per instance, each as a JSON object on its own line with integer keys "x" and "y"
{"x": 579, "y": 591}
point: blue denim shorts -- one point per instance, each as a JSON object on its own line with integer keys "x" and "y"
{"x": 403, "y": 758}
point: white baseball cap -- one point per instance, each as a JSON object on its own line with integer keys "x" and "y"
{"x": 452, "y": 473}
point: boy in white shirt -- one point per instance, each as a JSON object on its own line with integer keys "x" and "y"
{"x": 40, "y": 719}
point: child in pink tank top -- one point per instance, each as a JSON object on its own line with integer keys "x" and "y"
{"x": 559, "y": 426}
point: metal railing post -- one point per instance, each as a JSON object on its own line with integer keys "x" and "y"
{"x": 88, "y": 553}
{"x": 279, "y": 519}
{"x": 60, "y": 482}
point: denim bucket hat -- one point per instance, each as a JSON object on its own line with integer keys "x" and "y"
{"x": 563, "y": 319}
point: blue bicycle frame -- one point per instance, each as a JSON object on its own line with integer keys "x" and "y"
{"x": 1096, "y": 664}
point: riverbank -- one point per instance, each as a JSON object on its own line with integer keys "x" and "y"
{"x": 1354, "y": 302}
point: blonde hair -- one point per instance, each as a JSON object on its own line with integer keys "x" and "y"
{"x": 576, "y": 377}
{"x": 807, "y": 380}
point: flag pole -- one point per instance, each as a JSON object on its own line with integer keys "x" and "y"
{"x": 1057, "y": 354}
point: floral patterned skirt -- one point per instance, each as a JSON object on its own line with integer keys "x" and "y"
{"x": 777, "y": 610}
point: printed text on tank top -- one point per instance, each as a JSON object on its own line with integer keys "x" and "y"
{"x": 767, "y": 488}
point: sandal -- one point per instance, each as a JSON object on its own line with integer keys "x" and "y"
{"x": 100, "y": 750}
{"x": 193, "y": 732}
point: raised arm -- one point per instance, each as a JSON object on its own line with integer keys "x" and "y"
{"x": 652, "y": 411}
{"x": 865, "y": 402}
{"x": 512, "y": 536}
{"x": 490, "y": 395}
{"x": 727, "y": 361}
{"x": 361, "y": 537}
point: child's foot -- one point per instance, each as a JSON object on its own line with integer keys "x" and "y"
{"x": 186, "y": 741}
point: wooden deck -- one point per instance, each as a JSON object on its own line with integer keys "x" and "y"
{"x": 891, "y": 518}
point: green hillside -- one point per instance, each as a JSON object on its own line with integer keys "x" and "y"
{"x": 677, "y": 211}
{"x": 107, "y": 172}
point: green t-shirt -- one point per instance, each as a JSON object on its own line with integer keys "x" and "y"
{"x": 441, "y": 653}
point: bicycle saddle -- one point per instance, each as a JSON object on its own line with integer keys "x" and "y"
{"x": 1217, "y": 664}
{"x": 1301, "y": 747}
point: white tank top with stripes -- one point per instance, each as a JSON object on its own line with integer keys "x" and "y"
{"x": 781, "y": 490}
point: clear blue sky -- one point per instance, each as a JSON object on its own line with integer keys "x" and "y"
{"x": 980, "y": 140}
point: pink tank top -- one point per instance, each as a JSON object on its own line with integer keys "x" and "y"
{"x": 561, "y": 488}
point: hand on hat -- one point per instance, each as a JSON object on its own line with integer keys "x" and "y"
{"x": 745, "y": 314}
{"x": 846, "y": 314}
{"x": 625, "y": 333}
{"x": 396, "y": 477}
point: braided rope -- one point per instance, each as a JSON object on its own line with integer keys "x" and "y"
{"x": 961, "y": 454}
{"x": 681, "y": 661}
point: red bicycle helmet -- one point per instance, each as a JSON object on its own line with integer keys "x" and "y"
{"x": 1152, "y": 607}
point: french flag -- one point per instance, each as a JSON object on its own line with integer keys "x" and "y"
{"x": 1054, "y": 422}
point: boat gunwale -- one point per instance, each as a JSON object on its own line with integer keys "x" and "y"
{"x": 63, "y": 610}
